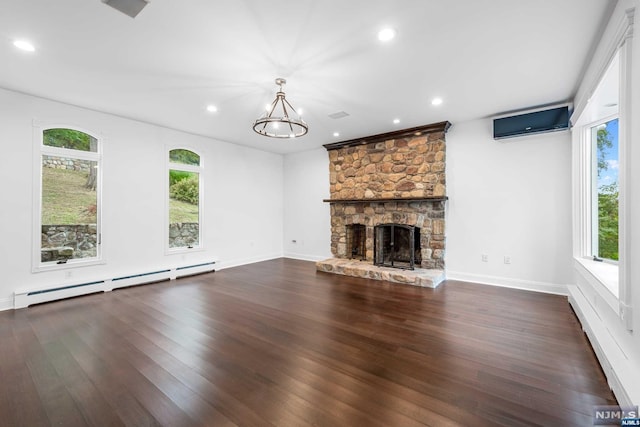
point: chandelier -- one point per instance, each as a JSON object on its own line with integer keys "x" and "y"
{"x": 280, "y": 120}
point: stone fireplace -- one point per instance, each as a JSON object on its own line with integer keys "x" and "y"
{"x": 388, "y": 198}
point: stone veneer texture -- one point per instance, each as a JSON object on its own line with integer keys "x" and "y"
{"x": 428, "y": 216}
{"x": 397, "y": 168}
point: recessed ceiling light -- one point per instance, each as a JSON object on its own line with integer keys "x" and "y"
{"x": 24, "y": 45}
{"x": 336, "y": 134}
{"x": 267, "y": 107}
{"x": 212, "y": 108}
{"x": 386, "y": 34}
{"x": 436, "y": 101}
{"x": 396, "y": 121}
{"x": 300, "y": 111}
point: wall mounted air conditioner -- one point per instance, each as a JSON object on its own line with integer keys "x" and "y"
{"x": 541, "y": 121}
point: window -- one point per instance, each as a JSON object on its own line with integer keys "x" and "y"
{"x": 602, "y": 140}
{"x": 185, "y": 199}
{"x": 604, "y": 190}
{"x": 600, "y": 181}
{"x": 69, "y": 189}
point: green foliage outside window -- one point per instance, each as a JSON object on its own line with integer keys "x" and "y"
{"x": 67, "y": 138}
{"x": 607, "y": 202}
{"x": 186, "y": 190}
{"x": 175, "y": 176}
{"x": 184, "y": 157}
{"x": 608, "y": 221}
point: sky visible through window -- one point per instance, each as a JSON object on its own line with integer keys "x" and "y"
{"x": 610, "y": 175}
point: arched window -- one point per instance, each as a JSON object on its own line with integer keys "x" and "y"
{"x": 185, "y": 199}
{"x": 69, "y": 188}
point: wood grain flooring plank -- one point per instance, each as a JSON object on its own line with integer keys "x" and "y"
{"x": 277, "y": 344}
{"x": 120, "y": 360}
{"x": 148, "y": 360}
{"x": 20, "y": 404}
{"x": 108, "y": 382}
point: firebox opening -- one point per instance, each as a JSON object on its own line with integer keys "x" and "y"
{"x": 397, "y": 245}
{"x": 356, "y": 242}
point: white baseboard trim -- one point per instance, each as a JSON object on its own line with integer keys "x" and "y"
{"x": 505, "y": 282}
{"x": 305, "y": 257}
{"x": 221, "y": 265}
{"x": 622, "y": 375}
{"x": 6, "y": 303}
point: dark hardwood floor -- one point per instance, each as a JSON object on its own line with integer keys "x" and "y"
{"x": 275, "y": 343}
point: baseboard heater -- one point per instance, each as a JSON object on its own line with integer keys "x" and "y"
{"x": 25, "y": 297}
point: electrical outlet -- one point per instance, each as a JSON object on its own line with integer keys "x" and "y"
{"x": 485, "y": 258}
{"x": 68, "y": 274}
{"x": 507, "y": 259}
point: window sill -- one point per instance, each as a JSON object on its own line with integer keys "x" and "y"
{"x": 606, "y": 274}
{"x": 184, "y": 250}
{"x": 69, "y": 264}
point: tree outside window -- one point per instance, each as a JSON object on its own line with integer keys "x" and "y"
{"x": 606, "y": 191}
{"x": 184, "y": 199}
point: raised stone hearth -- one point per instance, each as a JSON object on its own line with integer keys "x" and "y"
{"x": 429, "y": 278}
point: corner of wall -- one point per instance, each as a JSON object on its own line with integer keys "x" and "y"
{"x": 304, "y": 257}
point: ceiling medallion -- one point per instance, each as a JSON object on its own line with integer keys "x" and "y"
{"x": 280, "y": 120}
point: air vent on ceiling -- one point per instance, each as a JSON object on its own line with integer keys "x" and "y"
{"x": 338, "y": 115}
{"x": 129, "y": 7}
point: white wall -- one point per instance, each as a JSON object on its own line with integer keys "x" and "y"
{"x": 306, "y": 217}
{"x": 236, "y": 180}
{"x": 509, "y": 198}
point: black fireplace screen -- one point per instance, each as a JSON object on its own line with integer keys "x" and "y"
{"x": 397, "y": 245}
{"x": 356, "y": 241}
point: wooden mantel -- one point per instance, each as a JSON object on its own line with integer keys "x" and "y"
{"x": 398, "y": 199}
{"x": 403, "y": 133}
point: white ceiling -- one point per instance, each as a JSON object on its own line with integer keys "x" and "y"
{"x": 483, "y": 57}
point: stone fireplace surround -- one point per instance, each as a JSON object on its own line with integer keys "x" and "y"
{"x": 392, "y": 178}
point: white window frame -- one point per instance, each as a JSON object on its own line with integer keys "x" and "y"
{"x": 591, "y": 236}
{"x": 41, "y": 150}
{"x": 186, "y": 168}
{"x": 603, "y": 275}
